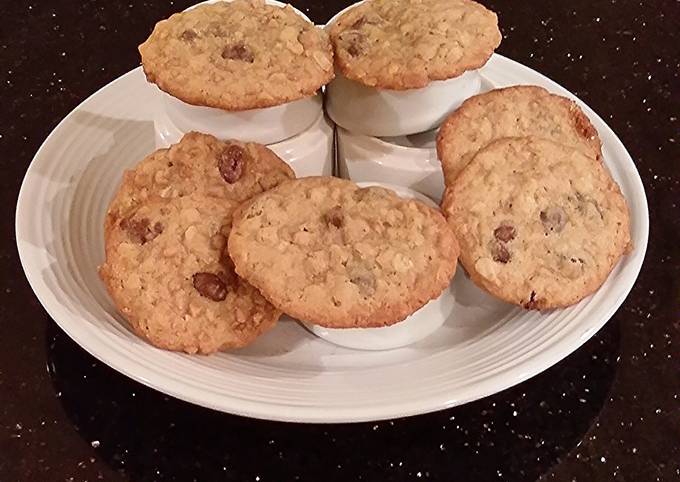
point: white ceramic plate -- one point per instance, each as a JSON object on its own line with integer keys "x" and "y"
{"x": 483, "y": 347}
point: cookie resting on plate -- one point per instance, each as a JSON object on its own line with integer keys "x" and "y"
{"x": 325, "y": 251}
{"x": 540, "y": 224}
{"x": 168, "y": 273}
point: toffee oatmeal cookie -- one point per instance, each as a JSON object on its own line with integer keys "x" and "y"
{"x": 168, "y": 273}
{"x": 325, "y": 251}
{"x": 199, "y": 163}
{"x": 516, "y": 111}
{"x": 540, "y": 224}
{"x": 405, "y": 44}
{"x": 238, "y": 55}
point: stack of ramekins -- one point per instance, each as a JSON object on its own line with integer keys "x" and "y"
{"x": 285, "y": 113}
{"x": 399, "y": 73}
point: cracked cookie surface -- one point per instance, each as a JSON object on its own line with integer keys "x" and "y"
{"x": 406, "y": 44}
{"x": 540, "y": 224}
{"x": 238, "y": 55}
{"x": 202, "y": 164}
{"x": 517, "y": 111}
{"x": 327, "y": 252}
{"x": 168, "y": 273}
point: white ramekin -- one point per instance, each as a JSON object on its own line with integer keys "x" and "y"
{"x": 309, "y": 153}
{"x": 409, "y": 161}
{"x": 416, "y": 327}
{"x": 383, "y": 112}
{"x": 312, "y": 152}
{"x": 266, "y": 126}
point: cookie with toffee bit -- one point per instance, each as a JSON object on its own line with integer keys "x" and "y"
{"x": 540, "y": 224}
{"x": 518, "y": 111}
{"x": 406, "y": 44}
{"x": 238, "y": 55}
{"x": 168, "y": 273}
{"x": 325, "y": 251}
{"x": 199, "y": 163}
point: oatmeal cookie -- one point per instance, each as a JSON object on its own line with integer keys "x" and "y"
{"x": 325, "y": 251}
{"x": 199, "y": 163}
{"x": 540, "y": 224}
{"x": 168, "y": 273}
{"x": 517, "y": 111}
{"x": 406, "y": 44}
{"x": 238, "y": 55}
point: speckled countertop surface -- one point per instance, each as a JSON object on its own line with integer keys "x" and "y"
{"x": 610, "y": 411}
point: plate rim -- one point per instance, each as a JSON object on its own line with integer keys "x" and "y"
{"x": 495, "y": 383}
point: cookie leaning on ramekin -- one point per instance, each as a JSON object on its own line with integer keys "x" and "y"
{"x": 325, "y": 251}
{"x": 238, "y": 55}
{"x": 168, "y": 273}
{"x": 540, "y": 224}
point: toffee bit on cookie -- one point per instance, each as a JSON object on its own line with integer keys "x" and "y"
{"x": 533, "y": 303}
{"x": 554, "y": 219}
{"x": 368, "y": 19}
{"x": 598, "y": 209}
{"x": 354, "y": 50}
{"x": 334, "y": 217}
{"x": 585, "y": 203}
{"x": 365, "y": 281}
{"x": 228, "y": 275}
{"x": 505, "y": 233}
{"x": 500, "y": 253}
{"x": 584, "y": 127}
{"x": 210, "y": 285}
{"x": 230, "y": 163}
{"x": 355, "y": 43}
{"x": 359, "y": 22}
{"x": 238, "y": 51}
{"x": 140, "y": 230}
{"x": 188, "y": 35}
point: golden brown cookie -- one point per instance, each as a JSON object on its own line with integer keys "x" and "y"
{"x": 202, "y": 164}
{"x": 517, "y": 111}
{"x": 540, "y": 224}
{"x": 238, "y": 55}
{"x": 168, "y": 273}
{"x": 405, "y": 44}
{"x": 325, "y": 251}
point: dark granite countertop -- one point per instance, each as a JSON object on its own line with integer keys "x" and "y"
{"x": 610, "y": 411}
